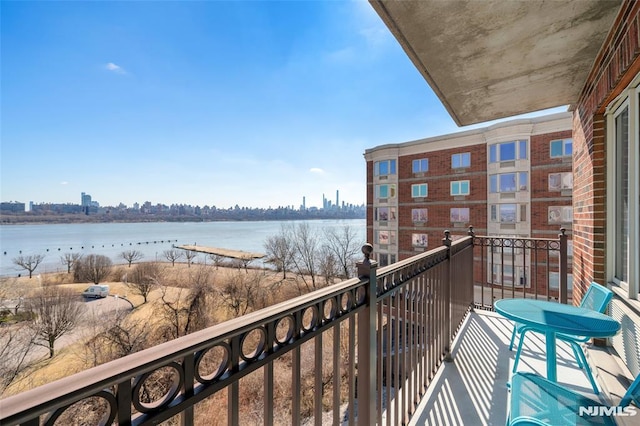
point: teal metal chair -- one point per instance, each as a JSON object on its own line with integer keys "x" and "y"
{"x": 535, "y": 400}
{"x": 596, "y": 298}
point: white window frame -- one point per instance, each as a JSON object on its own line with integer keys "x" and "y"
{"x": 459, "y": 183}
{"x": 418, "y": 162}
{"x": 628, "y": 98}
{"x": 376, "y": 167}
{"x": 564, "y": 146}
{"x": 416, "y": 185}
{"x": 461, "y": 155}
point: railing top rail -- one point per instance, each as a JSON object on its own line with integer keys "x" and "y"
{"x": 393, "y": 268}
{"x": 88, "y": 382}
{"x": 502, "y": 237}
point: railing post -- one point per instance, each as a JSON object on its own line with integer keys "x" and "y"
{"x": 447, "y": 314}
{"x": 366, "y": 386}
{"x": 562, "y": 286}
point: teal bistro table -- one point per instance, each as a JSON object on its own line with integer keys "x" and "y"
{"x": 550, "y": 318}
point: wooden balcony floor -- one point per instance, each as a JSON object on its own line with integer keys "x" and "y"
{"x": 472, "y": 390}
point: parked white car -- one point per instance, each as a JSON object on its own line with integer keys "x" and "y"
{"x": 96, "y": 291}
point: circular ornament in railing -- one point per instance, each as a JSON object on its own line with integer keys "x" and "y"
{"x": 361, "y": 295}
{"x": 99, "y": 409}
{"x": 252, "y": 344}
{"x": 330, "y": 309}
{"x": 211, "y": 363}
{"x": 346, "y": 301}
{"x": 284, "y": 330}
{"x": 309, "y": 318}
{"x": 156, "y": 389}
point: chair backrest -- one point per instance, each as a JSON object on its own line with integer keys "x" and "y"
{"x": 596, "y": 298}
{"x": 632, "y": 394}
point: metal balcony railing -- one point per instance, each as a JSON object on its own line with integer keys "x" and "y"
{"x": 377, "y": 339}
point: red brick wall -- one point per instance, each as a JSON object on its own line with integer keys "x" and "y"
{"x": 616, "y": 65}
{"x": 541, "y": 197}
{"x": 439, "y": 200}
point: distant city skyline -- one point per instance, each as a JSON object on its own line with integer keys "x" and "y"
{"x": 86, "y": 200}
{"x": 202, "y": 103}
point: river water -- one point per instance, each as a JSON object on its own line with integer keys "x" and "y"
{"x": 152, "y": 239}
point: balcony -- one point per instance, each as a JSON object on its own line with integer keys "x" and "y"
{"x": 368, "y": 350}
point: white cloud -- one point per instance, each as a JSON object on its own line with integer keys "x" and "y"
{"x": 316, "y": 170}
{"x": 115, "y": 68}
{"x": 64, "y": 182}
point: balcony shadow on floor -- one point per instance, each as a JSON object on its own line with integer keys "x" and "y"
{"x": 472, "y": 390}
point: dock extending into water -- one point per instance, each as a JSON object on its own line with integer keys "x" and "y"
{"x": 233, "y": 254}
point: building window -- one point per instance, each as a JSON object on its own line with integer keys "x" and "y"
{"x": 561, "y": 148}
{"x": 384, "y": 168}
{"x": 386, "y": 237}
{"x": 621, "y": 129}
{"x": 459, "y": 161}
{"x": 385, "y": 191}
{"x": 420, "y": 190}
{"x": 560, "y": 214}
{"x": 458, "y": 215}
{"x": 507, "y": 275}
{"x": 419, "y": 240}
{"x": 508, "y": 182}
{"x": 420, "y": 166}
{"x": 508, "y": 151}
{"x": 385, "y": 214}
{"x": 460, "y": 187}
{"x": 505, "y": 213}
{"x": 560, "y": 181}
{"x": 419, "y": 215}
{"x": 554, "y": 281}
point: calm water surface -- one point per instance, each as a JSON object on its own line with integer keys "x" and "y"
{"x": 111, "y": 239}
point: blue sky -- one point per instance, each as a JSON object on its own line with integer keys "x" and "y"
{"x": 256, "y": 103}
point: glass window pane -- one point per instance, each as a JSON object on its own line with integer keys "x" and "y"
{"x": 493, "y": 183}
{"x": 556, "y": 148}
{"x": 464, "y": 187}
{"x": 622, "y": 196}
{"x": 466, "y": 159}
{"x": 384, "y": 168}
{"x": 492, "y": 154}
{"x": 393, "y": 167}
{"x": 522, "y": 151}
{"x": 508, "y": 182}
{"x": 508, "y": 213}
{"x": 568, "y": 147}
{"x": 415, "y": 166}
{"x": 455, "y": 161}
{"x": 523, "y": 181}
{"x": 508, "y": 151}
{"x": 494, "y": 215}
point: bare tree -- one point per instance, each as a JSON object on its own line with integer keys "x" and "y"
{"x": 30, "y": 263}
{"x": 279, "y": 250}
{"x": 190, "y": 256}
{"x": 185, "y": 309}
{"x": 16, "y": 339}
{"x": 56, "y": 312}
{"x": 344, "y": 244}
{"x": 93, "y": 268}
{"x": 328, "y": 265}
{"x": 173, "y": 255}
{"x": 16, "y": 346}
{"x": 69, "y": 260}
{"x": 242, "y": 292}
{"x": 305, "y": 259}
{"x": 127, "y": 336}
{"x": 131, "y": 256}
{"x": 216, "y": 259}
{"x": 143, "y": 279}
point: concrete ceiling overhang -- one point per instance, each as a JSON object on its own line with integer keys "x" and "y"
{"x": 490, "y": 59}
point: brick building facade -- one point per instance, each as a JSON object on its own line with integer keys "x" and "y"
{"x": 509, "y": 179}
